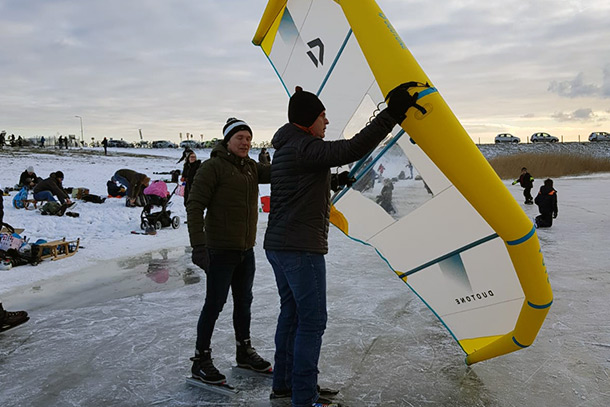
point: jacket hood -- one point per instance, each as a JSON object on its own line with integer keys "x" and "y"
{"x": 285, "y": 133}
{"x": 546, "y": 190}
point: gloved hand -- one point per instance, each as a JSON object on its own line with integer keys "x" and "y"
{"x": 399, "y": 100}
{"x": 514, "y": 182}
{"x": 200, "y": 257}
{"x": 555, "y": 215}
{"x": 338, "y": 181}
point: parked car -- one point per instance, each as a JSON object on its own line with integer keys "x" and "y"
{"x": 163, "y": 144}
{"x": 506, "y": 138}
{"x": 542, "y": 138}
{"x": 599, "y": 136}
{"x": 189, "y": 144}
{"x": 119, "y": 143}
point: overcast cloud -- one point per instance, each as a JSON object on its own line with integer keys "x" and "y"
{"x": 168, "y": 67}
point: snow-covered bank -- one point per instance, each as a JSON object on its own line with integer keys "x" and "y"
{"x": 104, "y": 229}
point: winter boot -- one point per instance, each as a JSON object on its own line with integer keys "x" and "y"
{"x": 321, "y": 402}
{"x": 203, "y": 368}
{"x": 10, "y": 319}
{"x": 249, "y": 359}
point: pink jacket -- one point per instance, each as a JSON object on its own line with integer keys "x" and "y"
{"x": 158, "y": 188}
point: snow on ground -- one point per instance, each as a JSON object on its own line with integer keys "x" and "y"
{"x": 104, "y": 229}
{"x": 114, "y": 325}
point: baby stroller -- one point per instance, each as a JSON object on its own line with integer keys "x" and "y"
{"x": 162, "y": 218}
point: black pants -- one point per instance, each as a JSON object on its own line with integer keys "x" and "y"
{"x": 228, "y": 269}
{"x": 527, "y": 193}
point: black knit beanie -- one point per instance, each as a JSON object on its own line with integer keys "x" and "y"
{"x": 304, "y": 107}
{"x": 232, "y": 126}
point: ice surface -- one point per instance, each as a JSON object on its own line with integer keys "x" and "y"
{"x": 104, "y": 333}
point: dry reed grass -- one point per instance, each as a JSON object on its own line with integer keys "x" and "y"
{"x": 548, "y": 165}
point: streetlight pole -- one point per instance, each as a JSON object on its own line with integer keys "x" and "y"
{"x": 82, "y": 138}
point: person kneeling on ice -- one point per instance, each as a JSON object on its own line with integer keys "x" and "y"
{"x": 547, "y": 204}
{"x": 134, "y": 182}
{"x": 296, "y": 239}
{"x": 226, "y": 188}
{"x": 45, "y": 189}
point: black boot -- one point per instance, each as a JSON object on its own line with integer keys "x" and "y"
{"x": 204, "y": 370}
{"x": 10, "y": 319}
{"x": 249, "y": 359}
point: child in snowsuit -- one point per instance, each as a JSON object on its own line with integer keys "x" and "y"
{"x": 547, "y": 204}
{"x": 527, "y": 182}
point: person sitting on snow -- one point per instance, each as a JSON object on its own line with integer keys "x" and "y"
{"x": 46, "y": 189}
{"x": 28, "y": 178}
{"x": 547, "y": 204}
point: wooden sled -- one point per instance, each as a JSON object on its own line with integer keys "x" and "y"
{"x": 28, "y": 202}
{"x": 58, "y": 249}
{"x": 5, "y": 230}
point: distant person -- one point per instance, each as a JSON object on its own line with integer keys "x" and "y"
{"x": 547, "y": 204}
{"x": 191, "y": 165}
{"x": 60, "y": 142}
{"x": 2, "y": 138}
{"x": 19, "y": 141}
{"x": 42, "y": 140}
{"x": 527, "y": 182}
{"x": 225, "y": 189}
{"x": 28, "y": 178}
{"x": 384, "y": 199}
{"x": 134, "y": 182}
{"x": 264, "y": 157}
{"x": 46, "y": 189}
{"x": 296, "y": 239}
{"x": 105, "y": 144}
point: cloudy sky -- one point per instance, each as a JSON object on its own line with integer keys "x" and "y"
{"x": 171, "y": 67}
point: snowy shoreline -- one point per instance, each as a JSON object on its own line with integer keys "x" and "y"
{"x": 104, "y": 229}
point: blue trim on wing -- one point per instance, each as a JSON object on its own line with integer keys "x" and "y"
{"x": 519, "y": 344}
{"x": 448, "y": 255}
{"x": 544, "y": 306}
{"x": 523, "y": 239}
{"x": 332, "y": 66}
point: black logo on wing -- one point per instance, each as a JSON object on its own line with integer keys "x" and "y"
{"x": 313, "y": 44}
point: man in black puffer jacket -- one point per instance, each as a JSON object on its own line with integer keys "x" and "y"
{"x": 297, "y": 230}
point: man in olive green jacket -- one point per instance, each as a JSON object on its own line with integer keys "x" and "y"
{"x": 226, "y": 188}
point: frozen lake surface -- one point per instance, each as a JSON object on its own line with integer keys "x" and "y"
{"x": 120, "y": 332}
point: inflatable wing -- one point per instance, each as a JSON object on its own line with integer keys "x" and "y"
{"x": 426, "y": 199}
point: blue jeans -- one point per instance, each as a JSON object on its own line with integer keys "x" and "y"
{"x": 44, "y": 196}
{"x": 123, "y": 181}
{"x": 228, "y": 269}
{"x": 301, "y": 282}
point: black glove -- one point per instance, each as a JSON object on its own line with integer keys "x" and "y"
{"x": 555, "y": 215}
{"x": 399, "y": 100}
{"x": 338, "y": 181}
{"x": 200, "y": 257}
{"x": 8, "y": 227}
